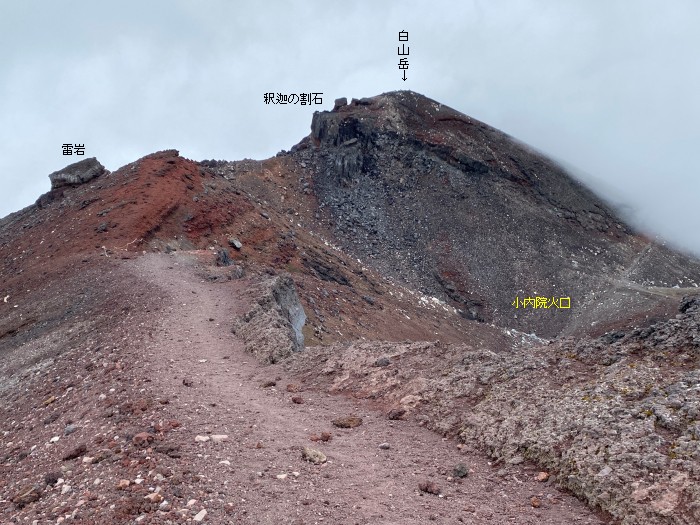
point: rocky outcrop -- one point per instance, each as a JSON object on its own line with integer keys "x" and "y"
{"x": 461, "y": 211}
{"x": 77, "y": 173}
{"x": 291, "y": 310}
{"x": 616, "y": 419}
{"x": 272, "y": 329}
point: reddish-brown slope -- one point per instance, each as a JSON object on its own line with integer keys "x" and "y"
{"x": 164, "y": 202}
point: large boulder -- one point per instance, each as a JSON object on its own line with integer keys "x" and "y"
{"x": 272, "y": 328}
{"x": 77, "y": 173}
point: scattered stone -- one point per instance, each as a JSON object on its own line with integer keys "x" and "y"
{"x": 396, "y": 413}
{"x": 52, "y": 478}
{"x": 54, "y": 439}
{"x": 382, "y": 361}
{"x": 142, "y": 439}
{"x": 297, "y": 400}
{"x": 542, "y": 476}
{"x": 293, "y": 388}
{"x": 66, "y": 489}
{"x": 281, "y": 476}
{"x": 368, "y": 299}
{"x": 69, "y": 430}
{"x": 326, "y": 436}
{"x": 101, "y": 455}
{"x": 78, "y": 451}
{"x": 154, "y": 497}
{"x": 223, "y": 258}
{"x": 605, "y": 471}
{"x": 429, "y": 487}
{"x": 535, "y": 502}
{"x": 123, "y": 484}
{"x": 384, "y": 446}
{"x": 460, "y": 470}
{"x": 200, "y": 515}
{"x": 26, "y": 495}
{"x": 51, "y": 418}
{"x": 313, "y": 456}
{"x": 49, "y": 401}
{"x": 225, "y": 462}
{"x": 171, "y": 450}
{"x": 347, "y": 422}
{"x": 219, "y": 438}
{"x": 201, "y": 439}
{"x": 268, "y": 384}
{"x": 187, "y": 382}
{"x": 235, "y": 243}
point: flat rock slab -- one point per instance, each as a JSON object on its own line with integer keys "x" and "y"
{"x": 347, "y": 421}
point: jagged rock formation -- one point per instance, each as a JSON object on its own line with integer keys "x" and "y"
{"x": 77, "y": 173}
{"x": 272, "y": 329}
{"x": 464, "y": 212}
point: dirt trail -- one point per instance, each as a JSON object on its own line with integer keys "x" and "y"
{"x": 360, "y": 483}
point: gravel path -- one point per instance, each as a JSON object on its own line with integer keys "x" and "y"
{"x": 256, "y": 474}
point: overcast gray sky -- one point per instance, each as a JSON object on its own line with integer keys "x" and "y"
{"x": 610, "y": 87}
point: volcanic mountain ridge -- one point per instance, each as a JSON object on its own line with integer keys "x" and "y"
{"x": 397, "y": 220}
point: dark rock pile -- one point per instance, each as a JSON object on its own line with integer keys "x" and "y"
{"x": 461, "y": 211}
{"x": 77, "y": 173}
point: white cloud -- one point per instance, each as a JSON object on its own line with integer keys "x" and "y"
{"x": 608, "y": 86}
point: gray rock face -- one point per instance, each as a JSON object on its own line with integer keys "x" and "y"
{"x": 287, "y": 300}
{"x": 77, "y": 173}
{"x": 272, "y": 329}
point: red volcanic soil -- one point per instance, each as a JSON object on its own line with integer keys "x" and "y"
{"x": 164, "y": 202}
{"x": 148, "y": 410}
